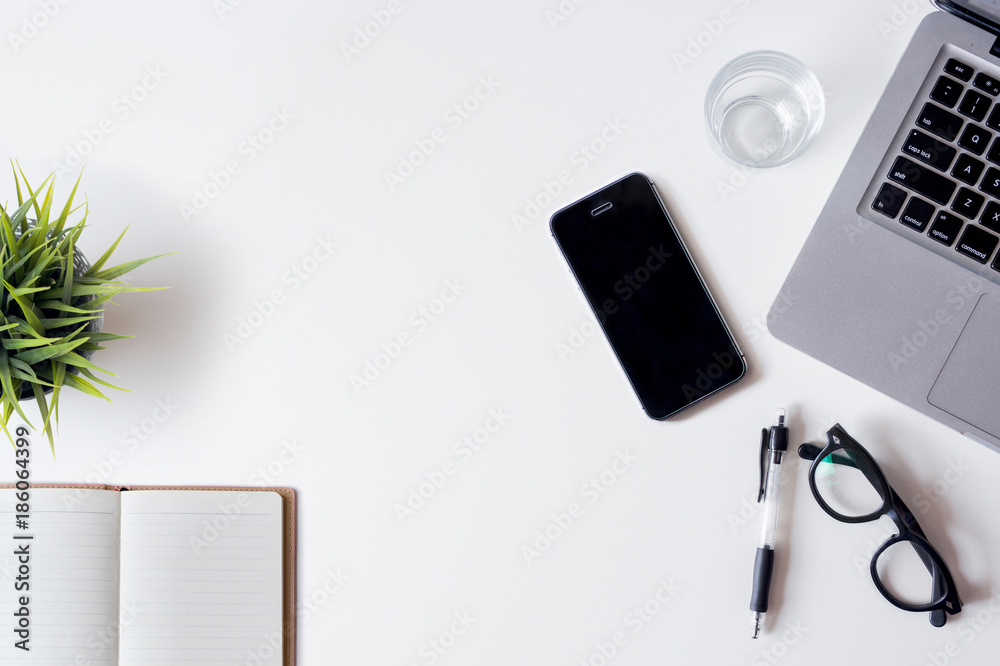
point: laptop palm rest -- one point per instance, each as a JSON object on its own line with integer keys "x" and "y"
{"x": 966, "y": 387}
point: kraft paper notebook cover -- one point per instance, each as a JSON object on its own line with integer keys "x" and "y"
{"x": 148, "y": 575}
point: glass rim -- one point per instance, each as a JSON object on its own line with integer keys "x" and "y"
{"x": 767, "y": 60}
{"x": 775, "y": 64}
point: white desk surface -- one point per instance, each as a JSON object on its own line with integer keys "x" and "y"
{"x": 296, "y": 267}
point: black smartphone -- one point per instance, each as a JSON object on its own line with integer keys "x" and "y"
{"x": 649, "y": 297}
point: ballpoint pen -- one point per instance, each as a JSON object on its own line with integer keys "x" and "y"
{"x": 773, "y": 444}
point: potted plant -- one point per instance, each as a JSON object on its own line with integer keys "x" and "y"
{"x": 51, "y": 311}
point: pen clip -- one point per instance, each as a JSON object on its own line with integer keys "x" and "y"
{"x": 763, "y": 462}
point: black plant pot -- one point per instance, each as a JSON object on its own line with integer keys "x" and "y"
{"x": 80, "y": 266}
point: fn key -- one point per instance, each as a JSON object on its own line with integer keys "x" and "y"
{"x": 889, "y": 200}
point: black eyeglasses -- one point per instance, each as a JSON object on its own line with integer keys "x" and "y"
{"x": 848, "y": 484}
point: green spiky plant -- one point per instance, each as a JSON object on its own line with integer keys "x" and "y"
{"x": 49, "y": 316}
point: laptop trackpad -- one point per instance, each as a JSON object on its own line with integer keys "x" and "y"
{"x": 967, "y": 385}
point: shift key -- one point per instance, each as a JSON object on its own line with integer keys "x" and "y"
{"x": 922, "y": 180}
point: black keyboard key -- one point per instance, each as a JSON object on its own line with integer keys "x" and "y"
{"x": 928, "y": 149}
{"x": 991, "y": 182}
{"x": 958, "y": 69}
{"x": 994, "y": 153}
{"x": 975, "y": 105}
{"x": 988, "y": 83}
{"x": 889, "y": 200}
{"x": 947, "y": 91}
{"x": 996, "y": 263}
{"x": 991, "y": 216}
{"x": 975, "y": 139}
{"x": 917, "y": 214}
{"x": 921, "y": 180}
{"x": 968, "y": 203}
{"x": 945, "y": 228}
{"x": 977, "y": 243}
{"x": 994, "y": 119}
{"x": 936, "y": 120}
{"x": 968, "y": 169}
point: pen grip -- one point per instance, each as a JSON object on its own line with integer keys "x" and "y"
{"x": 762, "y": 566}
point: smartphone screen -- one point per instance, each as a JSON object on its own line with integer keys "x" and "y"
{"x": 652, "y": 304}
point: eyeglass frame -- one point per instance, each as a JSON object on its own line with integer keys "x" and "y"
{"x": 946, "y": 599}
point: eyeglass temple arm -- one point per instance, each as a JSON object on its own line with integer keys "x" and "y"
{"x": 904, "y": 519}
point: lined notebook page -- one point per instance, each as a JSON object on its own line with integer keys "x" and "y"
{"x": 202, "y": 569}
{"x": 72, "y": 575}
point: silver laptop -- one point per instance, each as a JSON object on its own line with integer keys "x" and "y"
{"x": 898, "y": 284}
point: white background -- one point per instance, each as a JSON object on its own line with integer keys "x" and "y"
{"x": 269, "y": 399}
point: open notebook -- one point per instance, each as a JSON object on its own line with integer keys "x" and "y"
{"x": 150, "y": 577}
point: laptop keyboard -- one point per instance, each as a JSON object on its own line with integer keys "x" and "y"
{"x": 943, "y": 175}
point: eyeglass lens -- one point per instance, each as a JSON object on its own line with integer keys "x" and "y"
{"x": 844, "y": 488}
{"x": 907, "y": 570}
